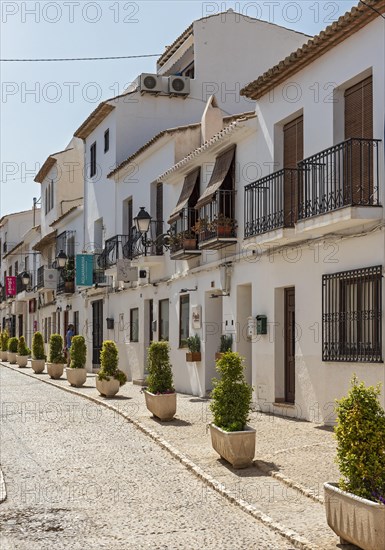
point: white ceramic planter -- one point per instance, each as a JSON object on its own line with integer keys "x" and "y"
{"x": 76, "y": 377}
{"x": 38, "y": 365}
{"x": 107, "y": 388}
{"x": 163, "y": 406}
{"x": 55, "y": 370}
{"x": 4, "y": 355}
{"x": 354, "y": 519}
{"x": 11, "y": 357}
{"x": 237, "y": 448}
{"x": 22, "y": 360}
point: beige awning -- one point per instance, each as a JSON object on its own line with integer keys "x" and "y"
{"x": 188, "y": 188}
{"x": 221, "y": 168}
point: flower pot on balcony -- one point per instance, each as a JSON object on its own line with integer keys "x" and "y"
{"x": 38, "y": 365}
{"x": 193, "y": 357}
{"x": 162, "y": 405}
{"x": 69, "y": 287}
{"x": 22, "y": 360}
{"x": 354, "y": 519}
{"x": 224, "y": 231}
{"x": 107, "y": 388}
{"x": 189, "y": 244}
{"x": 55, "y": 370}
{"x": 237, "y": 448}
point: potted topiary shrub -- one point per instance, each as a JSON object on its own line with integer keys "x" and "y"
{"x": 23, "y": 352}
{"x": 160, "y": 393}
{"x": 109, "y": 378}
{"x": 56, "y": 359}
{"x": 226, "y": 344}
{"x": 38, "y": 355}
{"x": 355, "y": 507}
{"x": 12, "y": 349}
{"x": 231, "y": 401}
{"x": 4, "y": 345}
{"x": 76, "y": 372}
{"x": 194, "y": 346}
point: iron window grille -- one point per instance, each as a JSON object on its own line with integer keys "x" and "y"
{"x": 352, "y": 315}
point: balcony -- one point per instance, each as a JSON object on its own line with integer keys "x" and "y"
{"x": 216, "y": 226}
{"x": 270, "y": 207}
{"x": 134, "y": 247}
{"x": 339, "y": 187}
{"x": 183, "y": 240}
{"x": 98, "y": 275}
{"x": 66, "y": 277}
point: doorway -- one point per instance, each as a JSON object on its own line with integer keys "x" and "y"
{"x": 289, "y": 343}
{"x": 243, "y": 344}
{"x": 97, "y": 332}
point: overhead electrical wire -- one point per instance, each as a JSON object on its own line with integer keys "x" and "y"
{"x": 81, "y": 58}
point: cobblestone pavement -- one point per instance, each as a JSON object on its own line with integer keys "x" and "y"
{"x": 301, "y": 451}
{"x": 79, "y": 476}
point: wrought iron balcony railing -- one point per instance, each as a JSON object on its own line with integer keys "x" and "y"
{"x": 132, "y": 245}
{"x": 270, "y": 202}
{"x": 216, "y": 219}
{"x": 182, "y": 234}
{"x": 346, "y": 174}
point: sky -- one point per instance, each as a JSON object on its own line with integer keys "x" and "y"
{"x": 43, "y": 103}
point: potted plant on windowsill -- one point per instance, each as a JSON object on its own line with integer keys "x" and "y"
{"x": 22, "y": 353}
{"x": 12, "y": 349}
{"x": 38, "y": 355}
{"x": 355, "y": 507}
{"x": 4, "y": 345}
{"x": 109, "y": 378}
{"x": 231, "y": 438}
{"x": 56, "y": 359}
{"x": 226, "y": 344}
{"x": 160, "y": 393}
{"x": 77, "y": 372}
{"x": 194, "y": 346}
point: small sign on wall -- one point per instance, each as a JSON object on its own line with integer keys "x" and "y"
{"x": 196, "y": 315}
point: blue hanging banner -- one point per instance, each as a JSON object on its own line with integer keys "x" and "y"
{"x": 84, "y": 269}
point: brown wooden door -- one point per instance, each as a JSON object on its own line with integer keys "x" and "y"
{"x": 292, "y": 154}
{"x": 290, "y": 345}
{"x": 358, "y": 170}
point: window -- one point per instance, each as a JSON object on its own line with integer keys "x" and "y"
{"x": 76, "y": 322}
{"x": 93, "y": 159}
{"x": 16, "y": 268}
{"x": 352, "y": 315}
{"x": 164, "y": 316}
{"x": 134, "y": 325}
{"x": 184, "y": 318}
{"x": 10, "y": 271}
{"x": 106, "y": 140}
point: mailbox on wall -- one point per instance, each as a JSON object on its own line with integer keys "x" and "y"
{"x": 261, "y": 324}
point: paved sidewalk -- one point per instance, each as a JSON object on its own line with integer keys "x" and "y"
{"x": 293, "y": 459}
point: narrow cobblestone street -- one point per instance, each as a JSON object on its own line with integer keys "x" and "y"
{"x": 79, "y": 476}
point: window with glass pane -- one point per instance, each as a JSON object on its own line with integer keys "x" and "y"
{"x": 164, "y": 313}
{"x": 184, "y": 317}
{"x": 134, "y": 325}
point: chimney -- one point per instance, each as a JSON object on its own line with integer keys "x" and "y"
{"x": 212, "y": 119}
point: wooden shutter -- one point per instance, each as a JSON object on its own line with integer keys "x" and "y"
{"x": 292, "y": 154}
{"x": 358, "y": 173}
{"x": 359, "y": 110}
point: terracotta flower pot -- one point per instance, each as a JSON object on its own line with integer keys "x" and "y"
{"x": 38, "y": 365}
{"x": 193, "y": 356}
{"x": 163, "y": 406}
{"x": 237, "y": 448}
{"x": 55, "y": 370}
{"x": 76, "y": 377}
{"x": 22, "y": 360}
{"x": 107, "y": 388}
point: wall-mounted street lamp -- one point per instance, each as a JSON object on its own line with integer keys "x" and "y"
{"x": 25, "y": 278}
{"x": 142, "y": 221}
{"x": 142, "y": 224}
{"x": 68, "y": 307}
{"x": 61, "y": 259}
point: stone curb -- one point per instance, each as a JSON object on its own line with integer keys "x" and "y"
{"x": 297, "y": 540}
{"x": 3, "y": 489}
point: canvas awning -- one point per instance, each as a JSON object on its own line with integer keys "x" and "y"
{"x": 221, "y": 168}
{"x": 188, "y": 187}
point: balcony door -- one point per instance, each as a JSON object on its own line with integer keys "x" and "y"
{"x": 289, "y": 343}
{"x": 292, "y": 154}
{"x": 359, "y": 153}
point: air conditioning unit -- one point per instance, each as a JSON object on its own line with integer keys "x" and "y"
{"x": 50, "y": 278}
{"x": 179, "y": 85}
{"x": 150, "y": 83}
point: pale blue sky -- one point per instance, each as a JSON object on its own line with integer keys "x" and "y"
{"x": 33, "y": 125}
